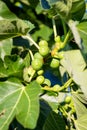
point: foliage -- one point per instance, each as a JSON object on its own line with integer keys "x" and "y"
{"x": 43, "y": 68}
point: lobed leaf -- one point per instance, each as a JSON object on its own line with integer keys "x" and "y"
{"x": 76, "y": 68}
{"x": 13, "y": 28}
{"x": 10, "y": 94}
{"x": 43, "y": 29}
{"x": 51, "y": 100}
{"x": 81, "y": 123}
{"x": 69, "y": 9}
{"x": 79, "y": 106}
{"x": 77, "y": 38}
{"x": 10, "y": 25}
{"x": 82, "y": 28}
{"x": 5, "y": 13}
{"x": 12, "y": 66}
{"x": 20, "y": 101}
{"x": 80, "y": 96}
{"x": 28, "y": 107}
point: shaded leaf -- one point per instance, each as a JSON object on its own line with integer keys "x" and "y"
{"x": 72, "y": 128}
{"x": 44, "y": 112}
{"x": 52, "y": 1}
{"x": 78, "y": 9}
{"x": 3, "y": 72}
{"x": 51, "y": 100}
{"x": 43, "y": 30}
{"x": 81, "y": 123}
{"x": 12, "y": 94}
{"x": 62, "y": 9}
{"x": 5, "y": 47}
{"x": 12, "y": 66}
{"x": 5, "y": 13}
{"x": 71, "y": 9}
{"x": 33, "y": 3}
{"x": 54, "y": 122}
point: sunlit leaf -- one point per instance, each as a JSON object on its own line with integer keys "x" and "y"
{"x": 77, "y": 38}
{"x": 82, "y": 28}
{"x": 5, "y": 13}
{"x": 79, "y": 106}
{"x": 20, "y": 101}
{"x": 3, "y": 72}
{"x": 81, "y": 123}
{"x": 25, "y": 2}
{"x": 80, "y": 96}
{"x": 76, "y": 68}
{"x": 78, "y": 9}
{"x": 13, "y": 28}
{"x": 43, "y": 30}
{"x": 28, "y": 107}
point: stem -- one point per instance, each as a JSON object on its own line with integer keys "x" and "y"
{"x": 67, "y": 114}
{"x": 31, "y": 54}
{"x": 64, "y": 27}
{"x": 66, "y": 85}
{"x": 29, "y": 38}
{"x": 32, "y": 75}
{"x": 54, "y": 27}
{"x": 66, "y": 39}
{"x": 47, "y": 88}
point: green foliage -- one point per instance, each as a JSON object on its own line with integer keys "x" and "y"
{"x": 12, "y": 66}
{"x": 3, "y": 47}
{"x": 13, "y": 28}
{"x": 82, "y": 27}
{"x": 5, "y": 13}
{"x": 79, "y": 106}
{"x": 81, "y": 123}
{"x": 14, "y": 95}
{"x": 54, "y": 121}
{"x": 76, "y": 68}
{"x": 29, "y": 97}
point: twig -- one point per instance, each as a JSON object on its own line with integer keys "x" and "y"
{"x": 29, "y": 38}
{"x": 54, "y": 27}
